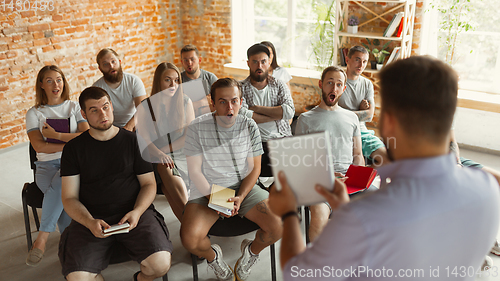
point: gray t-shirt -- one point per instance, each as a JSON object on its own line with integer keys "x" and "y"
{"x": 355, "y": 92}
{"x": 122, "y": 97}
{"x": 208, "y": 79}
{"x": 341, "y": 124}
{"x": 243, "y": 138}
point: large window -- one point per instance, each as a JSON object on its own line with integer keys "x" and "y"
{"x": 291, "y": 25}
{"x": 476, "y": 57}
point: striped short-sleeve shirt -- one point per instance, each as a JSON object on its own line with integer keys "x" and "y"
{"x": 219, "y": 146}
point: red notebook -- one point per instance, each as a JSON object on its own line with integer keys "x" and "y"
{"x": 359, "y": 178}
{"x": 61, "y": 125}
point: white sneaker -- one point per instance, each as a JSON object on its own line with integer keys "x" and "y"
{"x": 496, "y": 248}
{"x": 245, "y": 262}
{"x": 487, "y": 265}
{"x": 222, "y": 270}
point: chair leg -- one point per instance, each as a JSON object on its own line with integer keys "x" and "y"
{"x": 273, "y": 263}
{"x": 27, "y": 223}
{"x": 165, "y": 277}
{"x": 35, "y": 216}
{"x": 306, "y": 216}
{"x": 194, "y": 262}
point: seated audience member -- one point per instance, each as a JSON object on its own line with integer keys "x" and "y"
{"x": 51, "y": 102}
{"x": 275, "y": 70}
{"x": 359, "y": 98}
{"x": 266, "y": 100}
{"x": 125, "y": 90}
{"x": 224, "y": 148}
{"x": 173, "y": 111}
{"x": 345, "y": 136}
{"x": 190, "y": 59}
{"x": 105, "y": 181}
{"x": 416, "y": 220}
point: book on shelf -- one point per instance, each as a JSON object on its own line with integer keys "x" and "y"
{"x": 394, "y": 55}
{"x": 393, "y": 25}
{"x": 117, "y": 229}
{"x": 60, "y": 125}
{"x": 359, "y": 178}
{"x": 346, "y": 51}
{"x": 400, "y": 28}
{"x": 218, "y": 199}
{"x": 342, "y": 58}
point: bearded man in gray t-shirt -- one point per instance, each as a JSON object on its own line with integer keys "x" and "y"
{"x": 345, "y": 135}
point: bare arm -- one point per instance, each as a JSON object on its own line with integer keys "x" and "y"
{"x": 49, "y": 132}
{"x": 365, "y": 114}
{"x": 196, "y": 175}
{"x": 454, "y": 146}
{"x": 357, "y": 152}
{"x": 247, "y": 183}
{"x": 259, "y": 118}
{"x": 131, "y": 123}
{"x": 76, "y": 210}
{"x": 41, "y": 146}
{"x": 144, "y": 199}
{"x": 275, "y": 112}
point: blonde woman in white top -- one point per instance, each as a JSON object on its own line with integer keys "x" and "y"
{"x": 51, "y": 102}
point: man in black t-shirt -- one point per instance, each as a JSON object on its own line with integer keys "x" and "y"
{"x": 105, "y": 181}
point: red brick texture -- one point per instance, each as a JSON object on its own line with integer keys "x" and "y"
{"x": 143, "y": 32}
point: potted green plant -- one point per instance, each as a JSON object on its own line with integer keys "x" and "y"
{"x": 380, "y": 57}
{"x": 375, "y": 43}
{"x": 352, "y": 24}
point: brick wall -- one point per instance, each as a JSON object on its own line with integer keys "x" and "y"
{"x": 207, "y": 25}
{"x": 143, "y": 32}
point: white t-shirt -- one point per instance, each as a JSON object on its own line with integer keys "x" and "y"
{"x": 35, "y": 117}
{"x": 281, "y": 74}
{"x": 341, "y": 124}
{"x": 355, "y": 92}
{"x": 122, "y": 97}
{"x": 268, "y": 130}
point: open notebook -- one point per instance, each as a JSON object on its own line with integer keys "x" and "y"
{"x": 305, "y": 161}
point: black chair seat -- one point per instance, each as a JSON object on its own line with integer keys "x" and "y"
{"x": 233, "y": 226}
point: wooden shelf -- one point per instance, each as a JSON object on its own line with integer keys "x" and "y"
{"x": 377, "y": 15}
{"x": 371, "y": 35}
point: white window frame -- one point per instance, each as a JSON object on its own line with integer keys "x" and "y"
{"x": 243, "y": 33}
{"x": 429, "y": 46}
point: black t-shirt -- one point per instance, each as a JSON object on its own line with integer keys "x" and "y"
{"x": 108, "y": 172}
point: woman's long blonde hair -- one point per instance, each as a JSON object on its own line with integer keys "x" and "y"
{"x": 41, "y": 96}
{"x": 176, "y": 110}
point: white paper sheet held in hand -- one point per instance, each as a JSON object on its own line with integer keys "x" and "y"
{"x": 306, "y": 162}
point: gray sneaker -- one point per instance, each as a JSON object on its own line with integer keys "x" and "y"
{"x": 221, "y": 269}
{"x": 245, "y": 262}
{"x": 496, "y": 248}
{"x": 487, "y": 264}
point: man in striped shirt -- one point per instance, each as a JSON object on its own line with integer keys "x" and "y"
{"x": 224, "y": 148}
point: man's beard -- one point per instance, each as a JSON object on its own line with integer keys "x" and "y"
{"x": 327, "y": 101}
{"x": 105, "y": 128}
{"x": 114, "y": 78}
{"x": 259, "y": 78}
{"x": 192, "y": 71}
